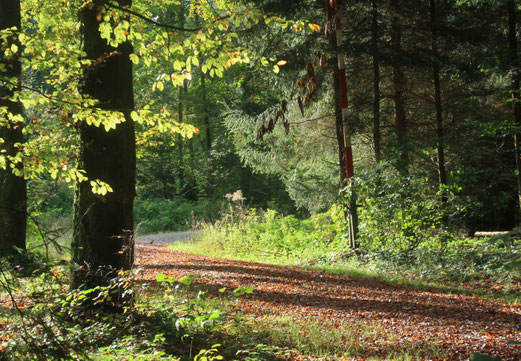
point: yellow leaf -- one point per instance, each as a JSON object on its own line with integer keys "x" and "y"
{"x": 315, "y": 27}
{"x": 282, "y": 62}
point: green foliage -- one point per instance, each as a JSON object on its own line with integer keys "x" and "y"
{"x": 268, "y": 233}
{"x": 162, "y": 215}
{"x": 422, "y": 248}
{"x": 396, "y": 214}
{"x": 208, "y": 355}
{"x": 50, "y": 323}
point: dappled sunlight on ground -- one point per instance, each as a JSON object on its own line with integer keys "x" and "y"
{"x": 455, "y": 323}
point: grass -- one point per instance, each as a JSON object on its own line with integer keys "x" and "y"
{"x": 353, "y": 269}
{"x": 273, "y": 336}
{"x": 172, "y": 322}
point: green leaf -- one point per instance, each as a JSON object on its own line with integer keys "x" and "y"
{"x": 276, "y": 69}
{"x": 160, "y": 86}
{"x": 214, "y": 315}
{"x": 134, "y": 58}
{"x": 178, "y": 65}
{"x": 160, "y": 277}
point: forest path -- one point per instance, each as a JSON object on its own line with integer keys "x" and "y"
{"x": 166, "y": 238}
{"x": 418, "y": 319}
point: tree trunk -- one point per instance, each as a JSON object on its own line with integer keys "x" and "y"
{"x": 180, "y": 111}
{"x": 516, "y": 99}
{"x": 180, "y": 146}
{"x": 335, "y": 17}
{"x": 376, "y": 84}
{"x": 13, "y": 190}
{"x": 206, "y": 116}
{"x": 103, "y": 232}
{"x": 442, "y": 173}
{"x": 339, "y": 121}
{"x": 399, "y": 83}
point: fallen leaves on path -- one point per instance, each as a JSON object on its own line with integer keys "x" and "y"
{"x": 459, "y": 325}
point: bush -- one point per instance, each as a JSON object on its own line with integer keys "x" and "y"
{"x": 161, "y": 215}
{"x": 397, "y": 214}
{"x": 270, "y": 233}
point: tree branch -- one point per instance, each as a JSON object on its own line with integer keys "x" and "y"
{"x": 167, "y": 26}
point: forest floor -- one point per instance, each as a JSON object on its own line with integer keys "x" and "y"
{"x": 378, "y": 319}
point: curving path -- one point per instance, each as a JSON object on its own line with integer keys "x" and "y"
{"x": 418, "y": 319}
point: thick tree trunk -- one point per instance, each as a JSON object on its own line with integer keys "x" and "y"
{"x": 516, "y": 98}
{"x": 399, "y": 84}
{"x": 376, "y": 84}
{"x": 103, "y": 232}
{"x": 13, "y": 191}
{"x": 440, "y": 144}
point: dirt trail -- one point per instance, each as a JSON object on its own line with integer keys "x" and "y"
{"x": 416, "y": 318}
{"x": 166, "y": 238}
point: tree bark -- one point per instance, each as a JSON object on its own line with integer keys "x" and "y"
{"x": 180, "y": 111}
{"x": 206, "y": 116}
{"x": 399, "y": 84}
{"x": 339, "y": 121}
{"x": 103, "y": 232}
{"x": 376, "y": 84}
{"x": 516, "y": 99}
{"x": 13, "y": 190}
{"x": 440, "y": 144}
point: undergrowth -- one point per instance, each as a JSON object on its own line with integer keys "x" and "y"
{"x": 171, "y": 319}
{"x": 163, "y": 215}
{"x": 320, "y": 242}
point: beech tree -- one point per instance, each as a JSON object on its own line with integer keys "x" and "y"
{"x": 13, "y": 193}
{"x": 103, "y": 223}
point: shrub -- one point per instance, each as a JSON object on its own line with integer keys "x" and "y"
{"x": 162, "y": 215}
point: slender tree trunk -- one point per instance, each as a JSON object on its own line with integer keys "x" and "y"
{"x": 516, "y": 98}
{"x": 335, "y": 17}
{"x": 399, "y": 84}
{"x": 206, "y": 116}
{"x": 440, "y": 143}
{"x": 180, "y": 112}
{"x": 103, "y": 232}
{"x": 339, "y": 121}
{"x": 191, "y": 150}
{"x": 180, "y": 144}
{"x": 13, "y": 191}
{"x": 376, "y": 84}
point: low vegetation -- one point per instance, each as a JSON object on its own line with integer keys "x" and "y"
{"x": 320, "y": 242}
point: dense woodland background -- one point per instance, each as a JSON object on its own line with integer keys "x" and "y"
{"x": 139, "y": 117}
